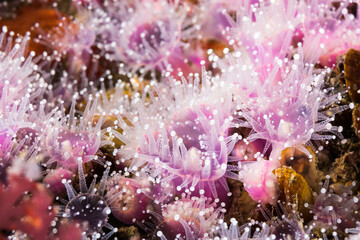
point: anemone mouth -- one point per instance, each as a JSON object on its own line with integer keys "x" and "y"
{"x": 125, "y": 200}
{"x": 67, "y": 147}
{"x": 280, "y": 128}
{"x": 151, "y": 43}
{"x": 90, "y": 209}
{"x": 188, "y": 217}
{"x": 127, "y": 203}
{"x": 186, "y": 125}
{"x": 247, "y": 151}
{"x": 190, "y": 132}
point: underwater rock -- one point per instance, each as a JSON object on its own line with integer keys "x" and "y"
{"x": 339, "y": 69}
{"x": 356, "y": 119}
{"x": 131, "y": 233}
{"x": 242, "y": 206}
{"x": 347, "y": 167}
{"x": 352, "y": 73}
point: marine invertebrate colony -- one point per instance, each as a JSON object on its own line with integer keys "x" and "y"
{"x": 327, "y": 211}
{"x": 288, "y": 108}
{"x": 18, "y": 77}
{"x": 129, "y": 203}
{"x": 259, "y": 181}
{"x": 270, "y": 25}
{"x": 68, "y": 141}
{"x": 89, "y": 207}
{"x": 182, "y": 135}
{"x": 146, "y": 35}
{"x": 73, "y": 39}
{"x": 187, "y": 218}
{"x": 202, "y": 119}
{"x": 233, "y": 231}
{"x": 336, "y": 29}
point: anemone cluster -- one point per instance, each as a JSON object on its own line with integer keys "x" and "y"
{"x": 179, "y": 119}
